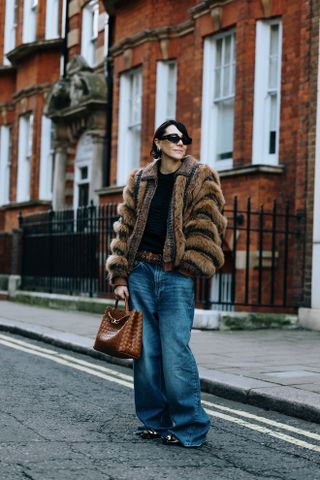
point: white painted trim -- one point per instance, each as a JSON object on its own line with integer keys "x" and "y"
{"x": 45, "y": 186}
{"x": 29, "y": 22}
{"x": 88, "y": 48}
{"x": 261, "y": 116}
{"x": 63, "y": 28}
{"x": 78, "y": 181}
{"x": 24, "y": 157}
{"x": 4, "y": 164}
{"x": 9, "y": 30}
{"x": 52, "y": 19}
{"x": 162, "y": 89}
{"x": 126, "y": 160}
{"x": 209, "y": 117}
{"x": 106, "y": 34}
{"x": 122, "y": 169}
{"x": 79, "y": 163}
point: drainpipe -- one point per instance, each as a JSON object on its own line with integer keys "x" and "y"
{"x": 65, "y": 31}
{"x": 109, "y": 80}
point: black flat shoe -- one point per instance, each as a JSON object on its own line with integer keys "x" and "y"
{"x": 149, "y": 434}
{"x": 171, "y": 440}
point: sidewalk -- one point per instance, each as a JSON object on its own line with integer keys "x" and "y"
{"x": 274, "y": 369}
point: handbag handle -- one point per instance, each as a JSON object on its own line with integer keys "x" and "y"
{"x": 125, "y": 301}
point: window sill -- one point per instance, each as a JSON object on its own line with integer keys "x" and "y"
{"x": 112, "y": 190}
{"x": 27, "y": 49}
{"x": 25, "y": 203}
{"x": 251, "y": 170}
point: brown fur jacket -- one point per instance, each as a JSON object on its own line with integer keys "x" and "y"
{"x": 194, "y": 228}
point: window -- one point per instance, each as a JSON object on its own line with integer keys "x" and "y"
{"x": 5, "y": 163}
{"x": 82, "y": 184}
{"x": 24, "y": 157}
{"x": 52, "y": 19}
{"x": 46, "y": 159}
{"x": 129, "y": 135}
{"x": 10, "y": 27}
{"x": 106, "y": 33}
{"x": 166, "y": 91}
{"x": 267, "y": 92}
{"x": 30, "y": 20}
{"x": 218, "y": 100}
{"x": 90, "y": 17}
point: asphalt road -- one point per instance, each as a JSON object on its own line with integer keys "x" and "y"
{"x": 67, "y": 416}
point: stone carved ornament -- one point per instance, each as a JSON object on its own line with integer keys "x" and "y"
{"x": 81, "y": 85}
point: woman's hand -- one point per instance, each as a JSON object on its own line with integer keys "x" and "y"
{"x": 121, "y": 292}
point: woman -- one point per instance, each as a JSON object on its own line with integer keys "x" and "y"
{"x": 169, "y": 232}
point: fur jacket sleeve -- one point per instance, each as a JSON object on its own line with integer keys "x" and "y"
{"x": 117, "y": 263}
{"x": 204, "y": 226}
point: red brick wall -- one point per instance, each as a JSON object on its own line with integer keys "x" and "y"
{"x": 23, "y": 90}
{"x": 188, "y": 50}
{"x": 291, "y": 183}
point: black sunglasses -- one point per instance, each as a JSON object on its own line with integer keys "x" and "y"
{"x": 174, "y": 138}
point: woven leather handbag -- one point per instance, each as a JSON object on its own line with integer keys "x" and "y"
{"x": 120, "y": 332}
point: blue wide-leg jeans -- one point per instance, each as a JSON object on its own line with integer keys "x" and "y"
{"x": 166, "y": 378}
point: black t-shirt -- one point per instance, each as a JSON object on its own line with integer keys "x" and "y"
{"x": 156, "y": 227}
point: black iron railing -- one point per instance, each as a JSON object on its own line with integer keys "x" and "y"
{"x": 65, "y": 252}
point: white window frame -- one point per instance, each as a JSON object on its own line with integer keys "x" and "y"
{"x": 210, "y": 102}
{"x": 10, "y": 28}
{"x": 166, "y": 91}
{"x": 63, "y": 32}
{"x": 25, "y": 148}
{"x": 106, "y": 34}
{"x": 79, "y": 181}
{"x": 263, "y": 94}
{"x": 52, "y": 19}
{"x": 89, "y": 36}
{"x": 130, "y": 114}
{"x": 29, "y": 33}
{"x": 46, "y": 159}
{"x": 5, "y": 163}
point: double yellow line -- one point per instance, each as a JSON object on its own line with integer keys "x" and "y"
{"x": 240, "y": 417}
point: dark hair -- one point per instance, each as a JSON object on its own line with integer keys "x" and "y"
{"x": 160, "y": 131}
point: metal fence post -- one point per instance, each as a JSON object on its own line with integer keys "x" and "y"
{"x": 51, "y": 248}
